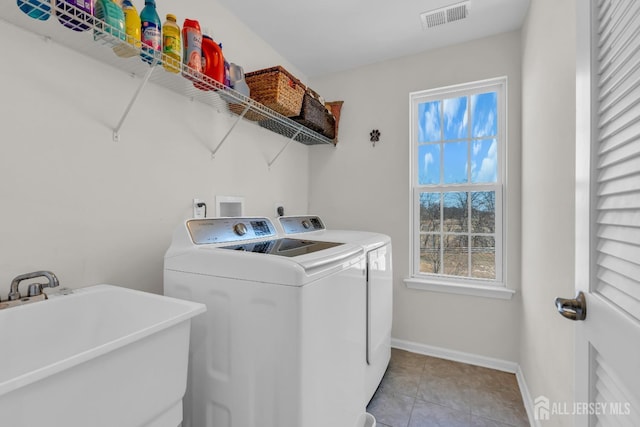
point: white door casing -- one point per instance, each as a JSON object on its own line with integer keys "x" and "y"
{"x": 607, "y": 371}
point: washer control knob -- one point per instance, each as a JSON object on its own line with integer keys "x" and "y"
{"x": 240, "y": 229}
{"x": 306, "y": 224}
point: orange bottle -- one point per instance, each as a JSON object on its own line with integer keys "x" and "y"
{"x": 212, "y": 60}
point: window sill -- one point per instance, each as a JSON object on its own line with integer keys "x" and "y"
{"x": 497, "y": 292}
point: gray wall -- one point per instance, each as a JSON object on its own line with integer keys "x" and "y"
{"x": 548, "y": 193}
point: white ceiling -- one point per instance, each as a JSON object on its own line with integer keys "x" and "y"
{"x": 324, "y": 36}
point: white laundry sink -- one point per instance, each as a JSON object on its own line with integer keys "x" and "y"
{"x": 99, "y": 356}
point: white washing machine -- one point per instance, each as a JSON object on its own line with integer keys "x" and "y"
{"x": 379, "y": 285}
{"x": 283, "y": 341}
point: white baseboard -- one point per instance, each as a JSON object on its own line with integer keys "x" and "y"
{"x": 456, "y": 356}
{"x": 474, "y": 359}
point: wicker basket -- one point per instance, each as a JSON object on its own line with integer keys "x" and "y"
{"x": 314, "y": 115}
{"x": 276, "y": 89}
{"x": 335, "y": 107}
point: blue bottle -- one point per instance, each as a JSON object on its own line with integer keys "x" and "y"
{"x": 151, "y": 34}
{"x": 35, "y": 9}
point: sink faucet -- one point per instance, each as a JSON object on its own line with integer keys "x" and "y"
{"x": 34, "y": 289}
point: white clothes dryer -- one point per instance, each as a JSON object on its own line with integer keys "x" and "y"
{"x": 283, "y": 341}
{"x": 379, "y": 285}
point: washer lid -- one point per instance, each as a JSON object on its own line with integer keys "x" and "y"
{"x": 284, "y": 247}
{"x": 297, "y": 270}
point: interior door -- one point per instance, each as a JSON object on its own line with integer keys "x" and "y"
{"x": 608, "y": 213}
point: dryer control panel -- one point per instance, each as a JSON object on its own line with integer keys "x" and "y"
{"x": 301, "y": 224}
{"x": 224, "y": 230}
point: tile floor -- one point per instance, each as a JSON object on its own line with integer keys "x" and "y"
{"x": 423, "y": 391}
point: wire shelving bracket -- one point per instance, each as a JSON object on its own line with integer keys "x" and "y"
{"x": 226, "y": 135}
{"x": 125, "y": 114}
{"x": 283, "y": 148}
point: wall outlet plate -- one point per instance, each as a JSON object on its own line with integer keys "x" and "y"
{"x": 199, "y": 208}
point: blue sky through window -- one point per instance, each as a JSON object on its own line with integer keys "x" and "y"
{"x": 429, "y": 122}
{"x": 429, "y": 164}
{"x": 455, "y": 135}
{"x": 455, "y": 162}
{"x": 484, "y": 161}
{"x": 455, "y": 118}
{"x": 484, "y": 108}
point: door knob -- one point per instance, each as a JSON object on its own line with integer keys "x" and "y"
{"x": 574, "y": 309}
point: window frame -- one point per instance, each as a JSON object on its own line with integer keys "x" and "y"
{"x": 458, "y": 284}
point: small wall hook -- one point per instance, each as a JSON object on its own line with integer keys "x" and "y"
{"x": 374, "y": 136}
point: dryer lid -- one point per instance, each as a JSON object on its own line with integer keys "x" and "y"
{"x": 284, "y": 247}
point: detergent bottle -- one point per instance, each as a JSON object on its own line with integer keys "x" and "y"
{"x": 212, "y": 61}
{"x": 238, "y": 83}
{"x": 171, "y": 44}
{"x": 133, "y": 28}
{"x": 112, "y": 15}
{"x": 191, "y": 49}
{"x": 151, "y": 34}
{"x": 35, "y": 9}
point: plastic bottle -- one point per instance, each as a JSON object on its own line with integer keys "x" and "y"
{"x": 151, "y": 33}
{"x": 113, "y": 17}
{"x": 212, "y": 61}
{"x": 132, "y": 23}
{"x": 238, "y": 83}
{"x": 192, "y": 49}
{"x": 35, "y": 9}
{"x": 171, "y": 44}
{"x": 227, "y": 71}
{"x": 132, "y": 28}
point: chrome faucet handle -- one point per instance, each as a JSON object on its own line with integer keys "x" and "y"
{"x": 53, "y": 280}
{"x": 35, "y": 289}
{"x": 14, "y": 293}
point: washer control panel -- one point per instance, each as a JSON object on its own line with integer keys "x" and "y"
{"x": 301, "y": 224}
{"x": 224, "y": 230}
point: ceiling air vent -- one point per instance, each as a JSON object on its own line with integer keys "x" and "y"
{"x": 451, "y": 13}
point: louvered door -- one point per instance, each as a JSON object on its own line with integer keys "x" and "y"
{"x": 608, "y": 213}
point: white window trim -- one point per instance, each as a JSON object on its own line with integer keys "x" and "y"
{"x": 460, "y": 288}
{"x": 465, "y": 286}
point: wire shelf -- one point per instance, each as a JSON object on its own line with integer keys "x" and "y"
{"x": 100, "y": 41}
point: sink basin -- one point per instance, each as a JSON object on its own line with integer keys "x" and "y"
{"x": 99, "y": 356}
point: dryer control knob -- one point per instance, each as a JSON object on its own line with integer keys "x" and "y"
{"x": 306, "y": 224}
{"x": 240, "y": 229}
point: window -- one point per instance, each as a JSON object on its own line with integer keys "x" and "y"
{"x": 457, "y": 178}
